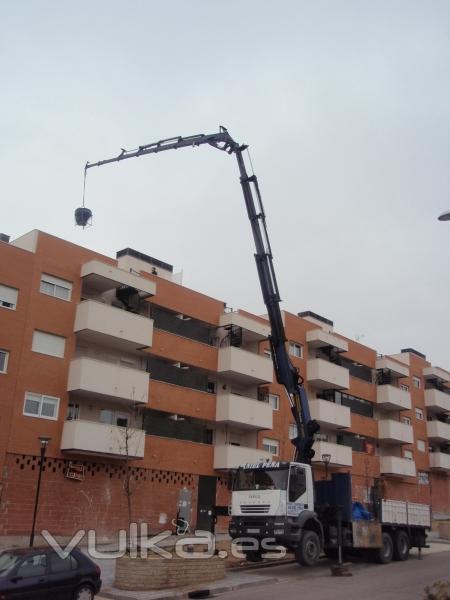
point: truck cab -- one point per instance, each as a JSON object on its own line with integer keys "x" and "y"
{"x": 276, "y": 500}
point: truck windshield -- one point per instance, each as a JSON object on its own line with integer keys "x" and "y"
{"x": 261, "y": 479}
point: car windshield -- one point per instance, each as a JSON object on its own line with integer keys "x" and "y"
{"x": 261, "y": 479}
{"x": 7, "y": 561}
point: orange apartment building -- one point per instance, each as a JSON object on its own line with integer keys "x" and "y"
{"x": 123, "y": 367}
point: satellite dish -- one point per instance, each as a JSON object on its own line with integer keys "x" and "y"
{"x": 83, "y": 216}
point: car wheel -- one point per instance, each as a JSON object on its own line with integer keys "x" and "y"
{"x": 84, "y": 592}
{"x": 308, "y": 551}
{"x": 384, "y": 554}
{"x": 401, "y": 545}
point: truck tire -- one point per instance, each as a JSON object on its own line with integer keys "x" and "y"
{"x": 253, "y": 556}
{"x": 401, "y": 545}
{"x": 384, "y": 554}
{"x": 307, "y": 552}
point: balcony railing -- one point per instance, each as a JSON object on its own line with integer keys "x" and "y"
{"x": 437, "y": 401}
{"x": 394, "y": 465}
{"x": 394, "y": 432}
{"x": 103, "y": 323}
{"x": 243, "y": 412}
{"x": 246, "y": 367}
{"x": 440, "y": 461}
{"x": 91, "y": 437}
{"x": 329, "y": 414}
{"x": 104, "y": 379}
{"x": 341, "y": 456}
{"x": 322, "y": 374}
{"x": 390, "y": 397}
{"x": 438, "y": 431}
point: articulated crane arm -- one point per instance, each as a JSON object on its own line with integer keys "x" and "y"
{"x": 286, "y": 374}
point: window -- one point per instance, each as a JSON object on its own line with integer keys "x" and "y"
{"x": 419, "y": 414}
{"x": 404, "y": 387}
{"x": 297, "y": 483}
{"x": 295, "y": 349}
{"x": 52, "y": 286}
{"x": 33, "y": 566}
{"x": 417, "y": 383}
{"x": 423, "y": 478}
{"x": 47, "y": 343}
{"x": 408, "y": 454}
{"x": 274, "y": 401}
{"x": 421, "y": 445}
{"x": 268, "y": 353}
{"x": 355, "y": 404}
{"x": 61, "y": 565}
{"x": 270, "y": 445}
{"x": 3, "y": 361}
{"x": 73, "y": 412}
{"x": 112, "y": 417}
{"x": 292, "y": 431}
{"x": 321, "y": 437}
{"x": 211, "y": 387}
{"x": 39, "y": 405}
{"x": 8, "y": 297}
{"x": 406, "y": 420}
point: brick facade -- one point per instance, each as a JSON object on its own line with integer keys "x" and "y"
{"x": 169, "y": 463}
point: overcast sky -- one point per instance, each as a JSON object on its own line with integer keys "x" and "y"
{"x": 346, "y": 108}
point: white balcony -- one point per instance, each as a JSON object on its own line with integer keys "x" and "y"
{"x": 440, "y": 461}
{"x": 436, "y": 373}
{"x": 396, "y": 368}
{"x": 325, "y": 375}
{"x": 108, "y": 380}
{"x": 390, "y": 397}
{"x": 102, "y": 277}
{"x": 341, "y": 456}
{"x": 243, "y": 412}
{"x": 438, "y": 431}
{"x": 230, "y": 457}
{"x": 329, "y": 414}
{"x": 395, "y": 432}
{"x": 90, "y": 437}
{"x": 318, "y": 338}
{"x": 394, "y": 465}
{"x": 255, "y": 330}
{"x": 243, "y": 366}
{"x": 105, "y": 324}
{"x": 437, "y": 401}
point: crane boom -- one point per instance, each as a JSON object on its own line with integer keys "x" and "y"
{"x": 286, "y": 373}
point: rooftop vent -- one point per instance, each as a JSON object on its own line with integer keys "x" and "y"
{"x": 4, "y": 238}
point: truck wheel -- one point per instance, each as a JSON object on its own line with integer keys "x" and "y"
{"x": 384, "y": 554}
{"x": 401, "y": 545}
{"x": 307, "y": 552}
{"x": 253, "y": 556}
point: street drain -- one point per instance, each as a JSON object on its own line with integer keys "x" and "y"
{"x": 200, "y": 594}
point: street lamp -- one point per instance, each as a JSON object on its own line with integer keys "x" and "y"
{"x": 326, "y": 461}
{"x": 445, "y": 216}
{"x": 44, "y": 443}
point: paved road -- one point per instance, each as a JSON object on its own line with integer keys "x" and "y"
{"x": 396, "y": 581}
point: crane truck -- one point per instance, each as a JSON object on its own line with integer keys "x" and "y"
{"x": 277, "y": 499}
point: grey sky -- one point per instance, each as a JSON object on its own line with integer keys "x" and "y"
{"x": 345, "y": 105}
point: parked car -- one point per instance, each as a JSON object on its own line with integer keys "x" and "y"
{"x": 40, "y": 573}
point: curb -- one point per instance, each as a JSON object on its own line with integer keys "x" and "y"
{"x": 184, "y": 593}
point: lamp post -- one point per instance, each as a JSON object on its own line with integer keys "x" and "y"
{"x": 326, "y": 461}
{"x": 445, "y": 216}
{"x": 44, "y": 443}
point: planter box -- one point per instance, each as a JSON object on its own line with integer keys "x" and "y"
{"x": 156, "y": 573}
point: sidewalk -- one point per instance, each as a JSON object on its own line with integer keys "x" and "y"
{"x": 232, "y": 581}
